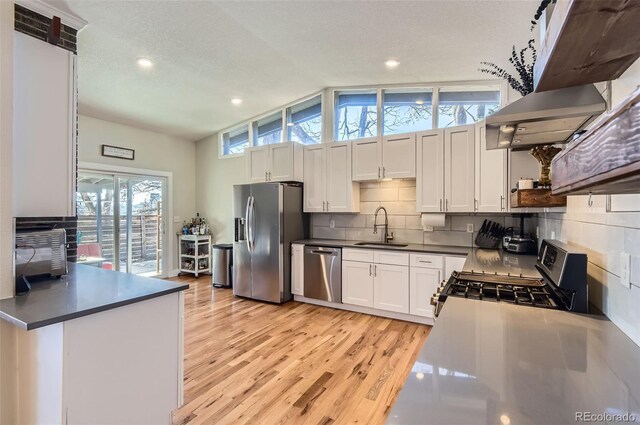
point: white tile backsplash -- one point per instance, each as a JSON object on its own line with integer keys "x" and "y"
{"x": 398, "y": 197}
{"x": 603, "y": 236}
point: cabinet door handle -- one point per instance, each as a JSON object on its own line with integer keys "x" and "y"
{"x": 269, "y": 175}
{"x": 502, "y": 203}
{"x": 425, "y": 261}
{"x": 475, "y": 204}
{"x": 440, "y": 205}
{"x": 378, "y": 172}
{"x": 323, "y": 207}
{"x": 327, "y": 206}
{"x": 370, "y": 269}
{"x": 384, "y": 172}
{"x": 375, "y": 270}
{"x": 265, "y": 177}
{"x": 446, "y": 205}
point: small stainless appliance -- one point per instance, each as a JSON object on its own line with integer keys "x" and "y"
{"x": 521, "y": 244}
{"x": 222, "y": 265}
{"x": 562, "y": 284}
{"x": 39, "y": 253}
{"x": 268, "y": 217}
{"x": 323, "y": 273}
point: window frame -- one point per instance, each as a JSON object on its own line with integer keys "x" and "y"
{"x": 221, "y": 134}
{"x": 328, "y": 104}
{"x": 285, "y": 116}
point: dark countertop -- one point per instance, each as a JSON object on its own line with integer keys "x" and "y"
{"x": 85, "y": 290}
{"x": 434, "y": 249}
{"x": 498, "y": 363}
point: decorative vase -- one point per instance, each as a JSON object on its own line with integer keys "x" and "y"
{"x": 544, "y": 155}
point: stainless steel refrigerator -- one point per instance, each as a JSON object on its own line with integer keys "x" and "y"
{"x": 267, "y": 218}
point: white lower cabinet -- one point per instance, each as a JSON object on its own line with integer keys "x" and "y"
{"x": 357, "y": 283}
{"x": 453, "y": 264}
{"x": 391, "y": 288}
{"x": 297, "y": 269}
{"x": 423, "y": 283}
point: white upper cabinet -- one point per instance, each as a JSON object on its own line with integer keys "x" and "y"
{"x": 459, "y": 168}
{"x": 445, "y": 179}
{"x": 398, "y": 156}
{"x": 387, "y": 157}
{"x": 430, "y": 171}
{"x": 367, "y": 159}
{"x": 343, "y": 195}
{"x": 44, "y": 129}
{"x": 314, "y": 178}
{"x": 327, "y": 179}
{"x": 491, "y": 175}
{"x": 256, "y": 163}
{"x": 274, "y": 163}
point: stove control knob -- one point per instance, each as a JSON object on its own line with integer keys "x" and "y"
{"x": 434, "y": 300}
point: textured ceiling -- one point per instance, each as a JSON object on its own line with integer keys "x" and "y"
{"x": 272, "y": 52}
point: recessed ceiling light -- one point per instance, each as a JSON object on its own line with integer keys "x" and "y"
{"x": 419, "y": 102}
{"x": 236, "y": 100}
{"x": 507, "y": 129}
{"x": 145, "y": 63}
{"x": 391, "y": 63}
{"x": 516, "y": 141}
{"x": 504, "y": 142}
{"x": 290, "y": 124}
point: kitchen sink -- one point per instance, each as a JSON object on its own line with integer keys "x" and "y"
{"x": 396, "y": 245}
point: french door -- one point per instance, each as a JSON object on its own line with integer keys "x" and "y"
{"x": 121, "y": 221}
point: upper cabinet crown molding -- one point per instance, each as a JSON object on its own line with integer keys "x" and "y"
{"x": 587, "y": 41}
{"x": 45, "y": 9}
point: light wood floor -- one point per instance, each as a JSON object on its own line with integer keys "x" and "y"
{"x": 257, "y": 363}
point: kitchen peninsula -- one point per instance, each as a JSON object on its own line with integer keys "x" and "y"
{"x": 95, "y": 325}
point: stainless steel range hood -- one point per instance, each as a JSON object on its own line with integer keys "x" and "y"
{"x": 544, "y": 118}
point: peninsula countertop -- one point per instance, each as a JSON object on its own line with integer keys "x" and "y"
{"x": 84, "y": 290}
{"x": 498, "y": 363}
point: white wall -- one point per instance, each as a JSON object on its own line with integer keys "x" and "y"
{"x": 604, "y": 236}
{"x": 216, "y": 178}
{"x": 153, "y": 151}
{"x": 8, "y": 353}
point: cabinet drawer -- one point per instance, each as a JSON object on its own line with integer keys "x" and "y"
{"x": 427, "y": 260}
{"x": 390, "y": 257}
{"x": 352, "y": 254}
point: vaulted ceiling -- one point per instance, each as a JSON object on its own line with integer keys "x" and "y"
{"x": 272, "y": 52}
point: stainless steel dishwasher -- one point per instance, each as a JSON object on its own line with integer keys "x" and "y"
{"x": 323, "y": 273}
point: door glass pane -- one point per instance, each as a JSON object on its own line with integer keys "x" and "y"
{"x": 268, "y": 130}
{"x": 407, "y": 111}
{"x": 304, "y": 121}
{"x": 141, "y": 224}
{"x": 356, "y": 115}
{"x": 95, "y": 206}
{"x": 460, "y": 107}
{"x": 138, "y": 225}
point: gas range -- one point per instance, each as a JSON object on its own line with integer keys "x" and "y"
{"x": 562, "y": 285}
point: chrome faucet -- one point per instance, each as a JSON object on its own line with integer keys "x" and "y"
{"x": 385, "y": 237}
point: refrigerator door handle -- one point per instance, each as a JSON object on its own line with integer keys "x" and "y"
{"x": 248, "y": 225}
{"x": 253, "y": 223}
